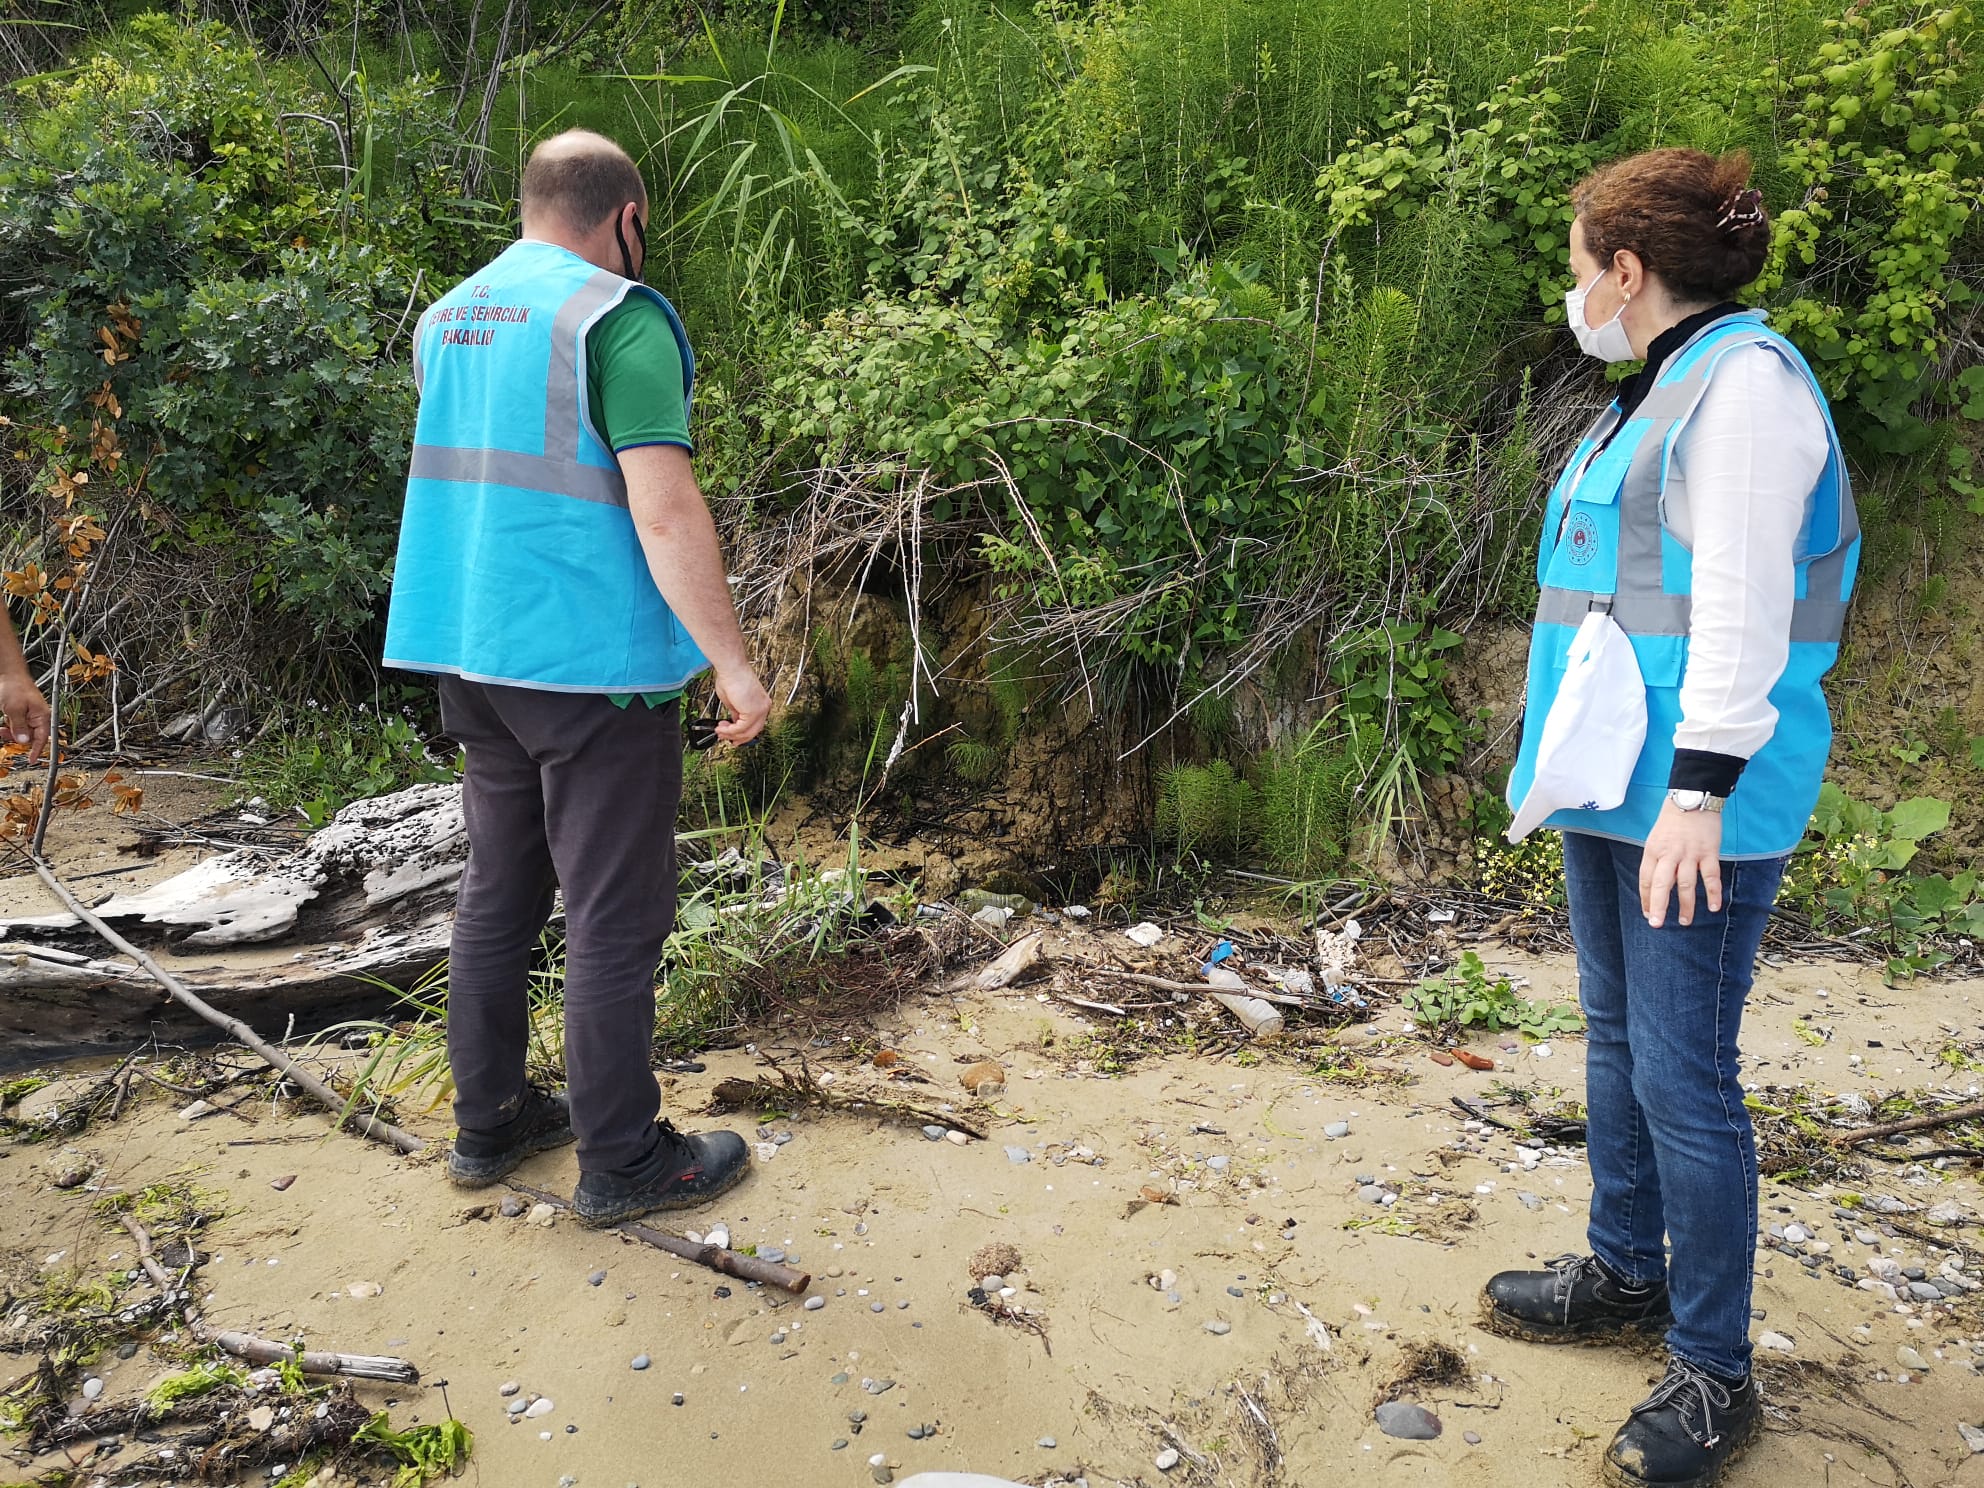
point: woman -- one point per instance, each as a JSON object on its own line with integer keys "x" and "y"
{"x": 1708, "y": 509}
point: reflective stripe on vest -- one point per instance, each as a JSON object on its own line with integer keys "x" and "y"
{"x": 1608, "y": 507}
{"x": 519, "y": 562}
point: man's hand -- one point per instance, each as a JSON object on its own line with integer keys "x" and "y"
{"x": 26, "y": 712}
{"x": 744, "y": 695}
{"x": 1684, "y": 846}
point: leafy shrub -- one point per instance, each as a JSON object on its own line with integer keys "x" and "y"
{"x": 1205, "y": 809}
{"x": 324, "y": 762}
{"x": 192, "y": 251}
{"x": 1851, "y": 874}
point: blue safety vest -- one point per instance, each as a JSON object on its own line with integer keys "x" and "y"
{"x": 518, "y": 559}
{"x": 1606, "y": 546}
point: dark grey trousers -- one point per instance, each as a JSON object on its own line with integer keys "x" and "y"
{"x": 563, "y": 790}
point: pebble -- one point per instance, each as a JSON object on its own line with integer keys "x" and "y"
{"x": 511, "y": 1206}
{"x": 516, "y": 1407}
{"x": 1866, "y": 1237}
{"x": 1472, "y": 1438}
{"x": 1167, "y": 1459}
{"x": 677, "y": 1399}
{"x": 1944, "y": 1215}
{"x": 92, "y": 1387}
{"x": 598, "y": 1278}
{"x": 771, "y": 1253}
{"x": 1018, "y": 1155}
{"x": 542, "y": 1214}
{"x": 1775, "y": 1341}
{"x": 1219, "y": 1164}
{"x": 1914, "y": 1273}
{"x": 840, "y": 1445}
{"x": 1046, "y": 1443}
{"x": 814, "y": 1304}
{"x": 778, "y": 1337}
{"x": 508, "y": 1388}
{"x": 991, "y": 1283}
{"x": 956, "y": 1138}
{"x": 882, "y": 1474}
{"x": 1336, "y": 1130}
{"x": 1528, "y": 1200}
{"x": 878, "y": 1386}
{"x": 127, "y": 1351}
{"x": 1408, "y": 1422}
{"x": 542, "y": 1406}
{"x": 1167, "y": 1280}
{"x": 1236, "y": 1292}
{"x": 642, "y": 1361}
{"x": 1973, "y": 1438}
{"x": 1797, "y": 1234}
{"x": 1219, "y": 1327}
{"x": 876, "y": 1307}
{"x": 1908, "y": 1359}
{"x": 934, "y": 1133}
{"x": 1924, "y": 1291}
{"x": 1370, "y": 1193}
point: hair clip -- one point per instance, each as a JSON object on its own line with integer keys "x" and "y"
{"x": 1743, "y": 209}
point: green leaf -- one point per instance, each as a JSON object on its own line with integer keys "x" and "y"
{"x": 1919, "y": 817}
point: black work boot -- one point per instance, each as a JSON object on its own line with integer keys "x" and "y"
{"x": 1576, "y": 1299}
{"x": 480, "y": 1158}
{"x": 680, "y": 1173}
{"x": 1686, "y": 1432}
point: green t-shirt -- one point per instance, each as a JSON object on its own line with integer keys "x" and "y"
{"x": 634, "y": 394}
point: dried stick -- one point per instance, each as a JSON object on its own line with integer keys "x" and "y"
{"x": 729, "y": 1262}
{"x": 370, "y": 1126}
{"x": 1947, "y": 1117}
{"x": 263, "y": 1350}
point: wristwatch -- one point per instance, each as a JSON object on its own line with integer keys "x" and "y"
{"x": 1694, "y": 800}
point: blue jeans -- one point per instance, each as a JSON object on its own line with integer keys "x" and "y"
{"x": 1673, "y": 1160}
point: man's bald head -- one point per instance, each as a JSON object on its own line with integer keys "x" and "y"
{"x": 581, "y": 179}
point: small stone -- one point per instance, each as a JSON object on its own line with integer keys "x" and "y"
{"x": 281, "y": 1185}
{"x": 986, "y": 1079}
{"x": 957, "y": 1138}
{"x": 878, "y": 1387}
{"x": 1908, "y": 1359}
{"x": 1219, "y": 1164}
{"x": 1370, "y": 1193}
{"x": 1973, "y": 1438}
{"x": 542, "y": 1406}
{"x": 1776, "y": 1342}
{"x": 1472, "y": 1438}
{"x": 934, "y": 1133}
{"x": 1914, "y": 1273}
{"x": 1406, "y": 1421}
{"x": 364, "y": 1289}
{"x": 1944, "y": 1215}
{"x": 1337, "y": 1130}
{"x": 677, "y": 1399}
{"x": 1219, "y": 1327}
{"x": 516, "y": 1407}
{"x": 915, "y": 1433}
{"x": 598, "y": 1278}
{"x": 512, "y": 1206}
{"x": 508, "y": 1388}
{"x": 127, "y": 1351}
{"x": 1046, "y": 1443}
{"x": 1528, "y": 1200}
{"x": 1236, "y": 1292}
{"x": 884, "y": 1474}
{"x": 1924, "y": 1291}
{"x": 1167, "y": 1459}
{"x": 1797, "y": 1234}
{"x": 876, "y": 1307}
{"x": 542, "y": 1214}
{"x": 840, "y": 1445}
{"x": 1866, "y": 1237}
{"x": 991, "y": 1283}
{"x": 719, "y": 1236}
{"x": 92, "y": 1387}
{"x": 814, "y": 1304}
{"x": 779, "y": 1139}
{"x": 641, "y": 1361}
{"x": 1018, "y": 1155}
{"x": 772, "y": 1254}
{"x": 1167, "y": 1280}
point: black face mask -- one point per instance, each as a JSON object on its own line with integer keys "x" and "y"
{"x": 641, "y": 237}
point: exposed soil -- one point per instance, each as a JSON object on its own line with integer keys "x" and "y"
{"x": 1111, "y": 1368}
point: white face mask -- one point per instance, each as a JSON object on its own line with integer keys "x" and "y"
{"x": 1609, "y": 342}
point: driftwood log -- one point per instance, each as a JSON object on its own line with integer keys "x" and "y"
{"x": 366, "y": 901}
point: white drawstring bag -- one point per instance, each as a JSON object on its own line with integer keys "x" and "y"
{"x": 1595, "y": 729}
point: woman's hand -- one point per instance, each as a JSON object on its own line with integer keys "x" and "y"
{"x": 1682, "y": 847}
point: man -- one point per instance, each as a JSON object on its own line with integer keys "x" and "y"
{"x": 559, "y": 570}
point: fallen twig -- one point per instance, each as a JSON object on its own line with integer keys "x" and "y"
{"x": 803, "y": 1089}
{"x": 1947, "y": 1117}
{"x": 729, "y": 1262}
{"x": 370, "y": 1126}
{"x": 264, "y": 1350}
